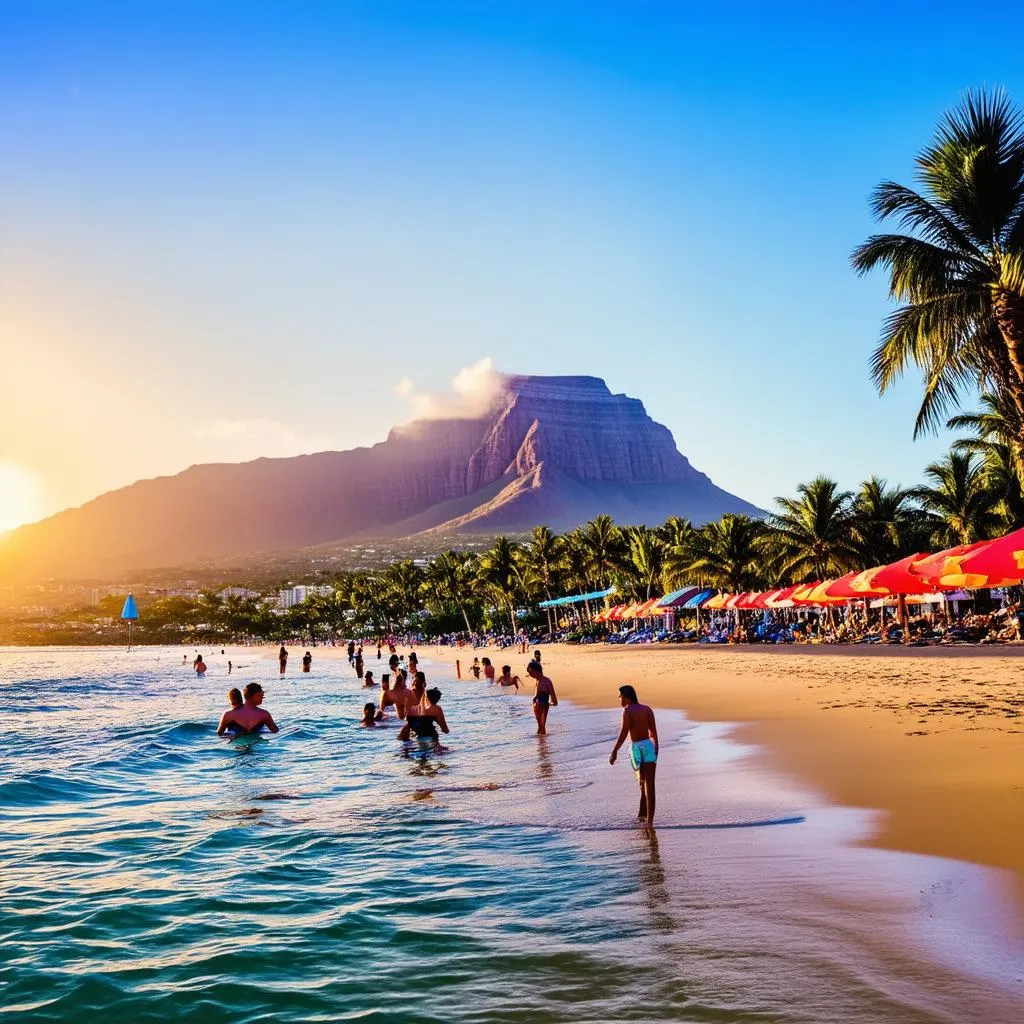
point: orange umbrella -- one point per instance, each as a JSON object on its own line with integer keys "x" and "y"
{"x": 717, "y": 602}
{"x": 945, "y": 569}
{"x": 1003, "y": 558}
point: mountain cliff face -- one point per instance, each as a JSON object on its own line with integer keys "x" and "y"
{"x": 555, "y": 450}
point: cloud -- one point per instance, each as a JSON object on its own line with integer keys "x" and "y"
{"x": 229, "y": 440}
{"x": 473, "y": 390}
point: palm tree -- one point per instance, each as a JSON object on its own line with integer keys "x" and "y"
{"x": 603, "y": 543}
{"x": 447, "y": 581}
{"x": 498, "y": 576}
{"x": 678, "y": 535}
{"x": 402, "y": 582}
{"x": 640, "y": 571}
{"x": 542, "y": 562}
{"x": 811, "y": 535}
{"x": 726, "y": 552}
{"x": 886, "y": 525}
{"x": 961, "y": 507}
{"x": 960, "y": 274}
{"x": 996, "y": 428}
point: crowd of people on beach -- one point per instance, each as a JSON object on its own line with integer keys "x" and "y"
{"x": 418, "y": 707}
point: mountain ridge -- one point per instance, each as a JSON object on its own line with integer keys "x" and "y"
{"x": 554, "y": 450}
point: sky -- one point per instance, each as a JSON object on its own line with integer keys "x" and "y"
{"x": 236, "y": 229}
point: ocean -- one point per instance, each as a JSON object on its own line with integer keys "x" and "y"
{"x": 152, "y": 871}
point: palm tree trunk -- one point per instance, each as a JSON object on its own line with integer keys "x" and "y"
{"x": 465, "y": 618}
{"x": 1008, "y": 308}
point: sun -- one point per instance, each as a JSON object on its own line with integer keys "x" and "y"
{"x": 19, "y": 496}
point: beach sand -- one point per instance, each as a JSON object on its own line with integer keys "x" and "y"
{"x": 933, "y": 738}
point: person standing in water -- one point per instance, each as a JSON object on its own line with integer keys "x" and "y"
{"x": 307, "y": 661}
{"x": 250, "y": 717}
{"x": 282, "y": 658}
{"x": 488, "y": 669}
{"x": 638, "y": 724}
{"x": 200, "y": 666}
{"x": 544, "y": 697}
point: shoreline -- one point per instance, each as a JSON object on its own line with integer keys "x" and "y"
{"x": 938, "y": 749}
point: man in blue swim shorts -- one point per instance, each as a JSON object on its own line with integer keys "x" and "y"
{"x": 639, "y": 725}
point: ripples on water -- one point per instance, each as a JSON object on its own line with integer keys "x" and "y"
{"x": 156, "y": 872}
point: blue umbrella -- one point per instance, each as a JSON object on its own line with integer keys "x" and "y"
{"x": 129, "y": 613}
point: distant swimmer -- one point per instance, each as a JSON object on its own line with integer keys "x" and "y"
{"x": 507, "y": 679}
{"x": 229, "y": 668}
{"x": 358, "y": 662}
{"x": 369, "y": 720}
{"x": 200, "y": 666}
{"x": 250, "y": 718}
{"x": 488, "y": 669}
{"x": 368, "y": 679}
{"x": 307, "y": 661}
{"x": 475, "y": 668}
{"x": 282, "y": 658}
{"x": 351, "y": 648}
{"x": 638, "y": 724}
{"x": 544, "y": 697}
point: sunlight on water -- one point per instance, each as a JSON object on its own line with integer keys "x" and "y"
{"x": 154, "y": 871}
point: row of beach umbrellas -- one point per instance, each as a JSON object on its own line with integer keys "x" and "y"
{"x": 984, "y": 564}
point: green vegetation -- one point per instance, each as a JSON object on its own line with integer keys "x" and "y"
{"x": 958, "y": 273}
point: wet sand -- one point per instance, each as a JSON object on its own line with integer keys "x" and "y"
{"x": 933, "y": 738}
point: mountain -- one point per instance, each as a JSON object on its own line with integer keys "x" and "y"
{"x": 554, "y": 450}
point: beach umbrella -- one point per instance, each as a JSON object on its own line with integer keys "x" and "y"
{"x": 894, "y": 578}
{"x": 844, "y": 587}
{"x": 717, "y": 602}
{"x": 945, "y": 569}
{"x": 129, "y": 614}
{"x": 781, "y": 598}
{"x": 1002, "y": 558}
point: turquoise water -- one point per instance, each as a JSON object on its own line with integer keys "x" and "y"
{"x": 153, "y": 871}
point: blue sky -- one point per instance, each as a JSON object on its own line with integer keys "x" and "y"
{"x": 230, "y": 229}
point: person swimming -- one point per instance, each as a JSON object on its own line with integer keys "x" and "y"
{"x": 507, "y": 679}
{"x": 368, "y": 679}
{"x": 369, "y": 720}
{"x": 250, "y": 718}
{"x": 639, "y": 725}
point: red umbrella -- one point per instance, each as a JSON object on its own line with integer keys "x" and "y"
{"x": 844, "y": 587}
{"x": 1003, "y": 558}
{"x": 945, "y": 570}
{"x": 900, "y": 577}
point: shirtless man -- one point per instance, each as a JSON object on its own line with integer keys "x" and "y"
{"x": 399, "y": 695}
{"x": 250, "y": 717}
{"x": 544, "y": 696}
{"x": 638, "y": 724}
{"x": 507, "y": 679}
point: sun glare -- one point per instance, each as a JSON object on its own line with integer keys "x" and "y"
{"x": 19, "y": 496}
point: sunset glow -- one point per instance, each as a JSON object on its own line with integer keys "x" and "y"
{"x": 19, "y": 496}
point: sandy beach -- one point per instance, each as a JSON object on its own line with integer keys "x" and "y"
{"x": 933, "y": 738}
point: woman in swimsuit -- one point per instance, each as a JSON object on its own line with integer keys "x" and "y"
{"x": 638, "y": 724}
{"x": 369, "y": 721}
{"x": 235, "y": 700}
{"x": 424, "y": 717}
{"x": 488, "y": 669}
{"x": 544, "y": 697}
